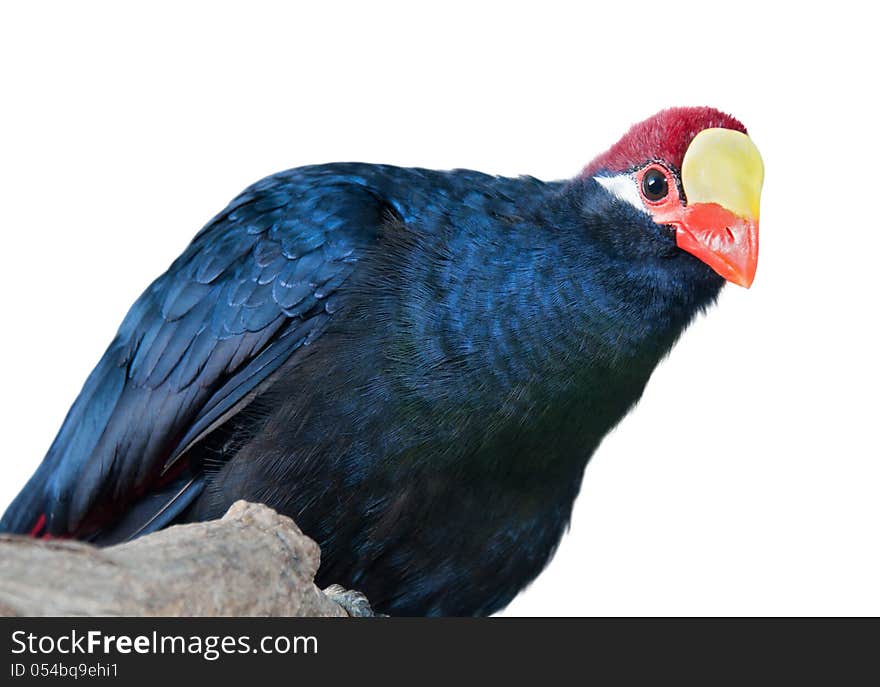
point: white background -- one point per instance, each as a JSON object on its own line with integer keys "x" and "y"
{"x": 747, "y": 479}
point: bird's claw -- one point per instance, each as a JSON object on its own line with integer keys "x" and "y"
{"x": 354, "y": 603}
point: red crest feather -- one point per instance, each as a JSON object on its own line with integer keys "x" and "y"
{"x": 664, "y": 137}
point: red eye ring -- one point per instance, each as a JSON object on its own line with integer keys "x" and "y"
{"x": 657, "y": 186}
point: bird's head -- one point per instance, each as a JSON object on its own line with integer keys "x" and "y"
{"x": 695, "y": 171}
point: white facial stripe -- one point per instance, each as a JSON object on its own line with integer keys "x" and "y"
{"x": 624, "y": 186}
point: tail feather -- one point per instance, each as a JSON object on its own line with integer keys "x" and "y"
{"x": 153, "y": 512}
{"x": 27, "y": 512}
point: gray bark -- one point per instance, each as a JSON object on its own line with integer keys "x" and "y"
{"x": 252, "y": 562}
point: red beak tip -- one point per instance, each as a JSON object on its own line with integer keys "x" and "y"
{"x": 724, "y": 241}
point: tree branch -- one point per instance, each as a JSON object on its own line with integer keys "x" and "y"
{"x": 252, "y": 562}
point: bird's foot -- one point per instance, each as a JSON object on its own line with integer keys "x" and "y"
{"x": 354, "y": 603}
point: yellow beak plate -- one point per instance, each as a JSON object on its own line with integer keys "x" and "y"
{"x": 723, "y": 166}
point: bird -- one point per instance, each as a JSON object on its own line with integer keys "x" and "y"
{"x": 414, "y": 365}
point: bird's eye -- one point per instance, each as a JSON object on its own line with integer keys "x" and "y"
{"x": 654, "y": 184}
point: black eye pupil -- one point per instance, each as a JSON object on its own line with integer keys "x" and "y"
{"x": 654, "y": 185}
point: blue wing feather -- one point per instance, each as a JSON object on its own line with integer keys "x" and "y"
{"x": 249, "y": 291}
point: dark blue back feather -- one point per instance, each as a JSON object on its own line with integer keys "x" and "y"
{"x": 249, "y": 291}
